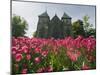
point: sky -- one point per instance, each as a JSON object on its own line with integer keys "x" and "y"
{"x": 31, "y": 10}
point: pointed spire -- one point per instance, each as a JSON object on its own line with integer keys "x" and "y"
{"x": 55, "y": 17}
{"x": 46, "y": 9}
{"x": 65, "y": 16}
{"x": 55, "y": 14}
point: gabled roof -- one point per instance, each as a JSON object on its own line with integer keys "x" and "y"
{"x": 55, "y": 17}
{"x": 65, "y": 16}
{"x": 45, "y": 14}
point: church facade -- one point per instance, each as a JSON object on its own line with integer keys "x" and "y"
{"x": 56, "y": 28}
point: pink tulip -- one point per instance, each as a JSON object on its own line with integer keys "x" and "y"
{"x": 73, "y": 55}
{"x": 24, "y": 71}
{"x": 25, "y": 49}
{"x": 49, "y": 69}
{"x": 14, "y": 50}
{"x": 37, "y": 50}
{"x": 18, "y": 57}
{"x": 37, "y": 60}
{"x": 28, "y": 56}
{"x": 44, "y": 53}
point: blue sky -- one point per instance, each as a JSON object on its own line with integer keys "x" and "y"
{"x": 31, "y": 10}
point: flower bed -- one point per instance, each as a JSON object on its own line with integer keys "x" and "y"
{"x": 36, "y": 55}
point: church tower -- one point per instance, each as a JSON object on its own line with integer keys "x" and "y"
{"x": 42, "y": 27}
{"x": 55, "y": 27}
{"x": 67, "y": 26}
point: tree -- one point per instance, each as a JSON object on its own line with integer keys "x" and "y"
{"x": 87, "y": 26}
{"x": 19, "y": 26}
{"x": 77, "y": 28}
{"x": 91, "y": 32}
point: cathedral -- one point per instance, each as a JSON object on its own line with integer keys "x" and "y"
{"x": 55, "y": 27}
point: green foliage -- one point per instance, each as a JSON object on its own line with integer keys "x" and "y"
{"x": 59, "y": 61}
{"x": 91, "y": 32}
{"x": 19, "y": 25}
{"x": 86, "y": 23}
{"x": 77, "y": 28}
{"x": 83, "y": 27}
{"x": 88, "y": 27}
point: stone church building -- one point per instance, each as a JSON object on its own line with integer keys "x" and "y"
{"x": 56, "y": 28}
